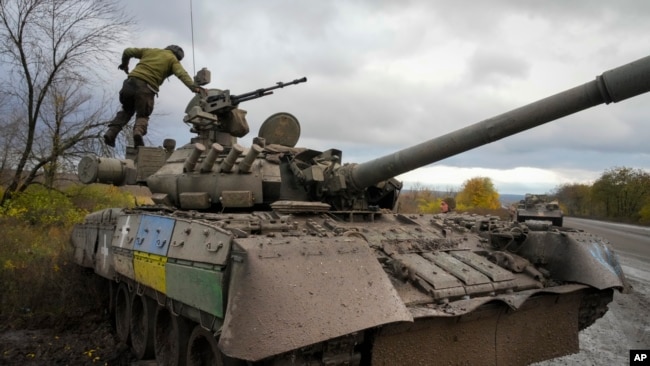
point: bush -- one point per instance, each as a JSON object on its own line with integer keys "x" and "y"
{"x": 38, "y": 205}
{"x": 97, "y": 197}
{"x": 644, "y": 214}
{"x": 41, "y": 285}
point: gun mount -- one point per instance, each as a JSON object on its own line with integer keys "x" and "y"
{"x": 279, "y": 255}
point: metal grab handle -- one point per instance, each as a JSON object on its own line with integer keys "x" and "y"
{"x": 209, "y": 247}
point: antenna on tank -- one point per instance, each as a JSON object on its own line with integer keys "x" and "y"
{"x": 192, "y": 30}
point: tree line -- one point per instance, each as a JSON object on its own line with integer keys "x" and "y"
{"x": 619, "y": 194}
{"x": 476, "y": 193}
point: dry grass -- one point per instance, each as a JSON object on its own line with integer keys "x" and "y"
{"x": 41, "y": 285}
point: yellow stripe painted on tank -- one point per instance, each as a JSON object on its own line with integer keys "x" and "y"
{"x": 150, "y": 270}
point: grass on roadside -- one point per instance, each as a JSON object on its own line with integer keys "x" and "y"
{"x": 40, "y": 285}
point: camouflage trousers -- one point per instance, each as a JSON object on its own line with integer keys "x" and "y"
{"x": 136, "y": 97}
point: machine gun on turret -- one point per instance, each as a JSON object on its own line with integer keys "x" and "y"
{"x": 224, "y": 100}
{"x": 220, "y": 106}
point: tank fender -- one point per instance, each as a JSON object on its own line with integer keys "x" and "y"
{"x": 576, "y": 256}
{"x": 287, "y": 293}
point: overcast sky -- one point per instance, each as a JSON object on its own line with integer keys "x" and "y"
{"x": 385, "y": 75}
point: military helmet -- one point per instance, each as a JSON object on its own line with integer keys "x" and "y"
{"x": 178, "y": 52}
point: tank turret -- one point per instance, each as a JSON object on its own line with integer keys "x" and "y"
{"x": 273, "y": 254}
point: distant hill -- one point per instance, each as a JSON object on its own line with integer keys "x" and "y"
{"x": 508, "y": 199}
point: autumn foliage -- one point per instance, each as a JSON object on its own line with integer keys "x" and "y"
{"x": 478, "y": 192}
{"x": 620, "y": 194}
{"x": 39, "y": 281}
{"x": 477, "y": 195}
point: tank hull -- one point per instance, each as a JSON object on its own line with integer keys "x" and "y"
{"x": 360, "y": 288}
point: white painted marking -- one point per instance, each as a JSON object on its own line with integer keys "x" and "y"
{"x": 124, "y": 231}
{"x": 104, "y": 253}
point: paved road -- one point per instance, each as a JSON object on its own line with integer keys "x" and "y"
{"x": 627, "y": 324}
{"x": 629, "y": 240}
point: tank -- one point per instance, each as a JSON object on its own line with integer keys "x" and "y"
{"x": 539, "y": 207}
{"x": 273, "y": 254}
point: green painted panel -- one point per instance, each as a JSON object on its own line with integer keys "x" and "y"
{"x": 197, "y": 287}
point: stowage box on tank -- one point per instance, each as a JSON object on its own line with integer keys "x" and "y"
{"x": 275, "y": 254}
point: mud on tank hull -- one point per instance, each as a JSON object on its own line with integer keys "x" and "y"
{"x": 346, "y": 288}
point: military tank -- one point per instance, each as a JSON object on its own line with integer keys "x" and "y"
{"x": 539, "y": 207}
{"x": 276, "y": 255}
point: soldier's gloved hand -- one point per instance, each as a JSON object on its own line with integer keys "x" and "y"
{"x": 124, "y": 67}
{"x": 197, "y": 89}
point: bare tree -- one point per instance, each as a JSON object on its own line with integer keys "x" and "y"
{"x": 8, "y": 153}
{"x": 70, "y": 124}
{"x": 49, "y": 49}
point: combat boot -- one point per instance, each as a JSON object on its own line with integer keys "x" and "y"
{"x": 115, "y": 126}
{"x": 139, "y": 130}
{"x": 111, "y": 135}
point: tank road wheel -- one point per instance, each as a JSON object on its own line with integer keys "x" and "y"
{"x": 143, "y": 310}
{"x": 170, "y": 338}
{"x": 202, "y": 349}
{"x": 122, "y": 312}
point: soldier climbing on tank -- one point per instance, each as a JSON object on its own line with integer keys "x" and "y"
{"x": 140, "y": 87}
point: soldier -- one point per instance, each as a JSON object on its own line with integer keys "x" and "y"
{"x": 141, "y": 85}
{"x": 447, "y": 205}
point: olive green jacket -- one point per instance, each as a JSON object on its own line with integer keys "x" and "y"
{"x": 155, "y": 66}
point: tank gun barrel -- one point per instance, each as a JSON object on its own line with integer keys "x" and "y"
{"x": 614, "y": 85}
